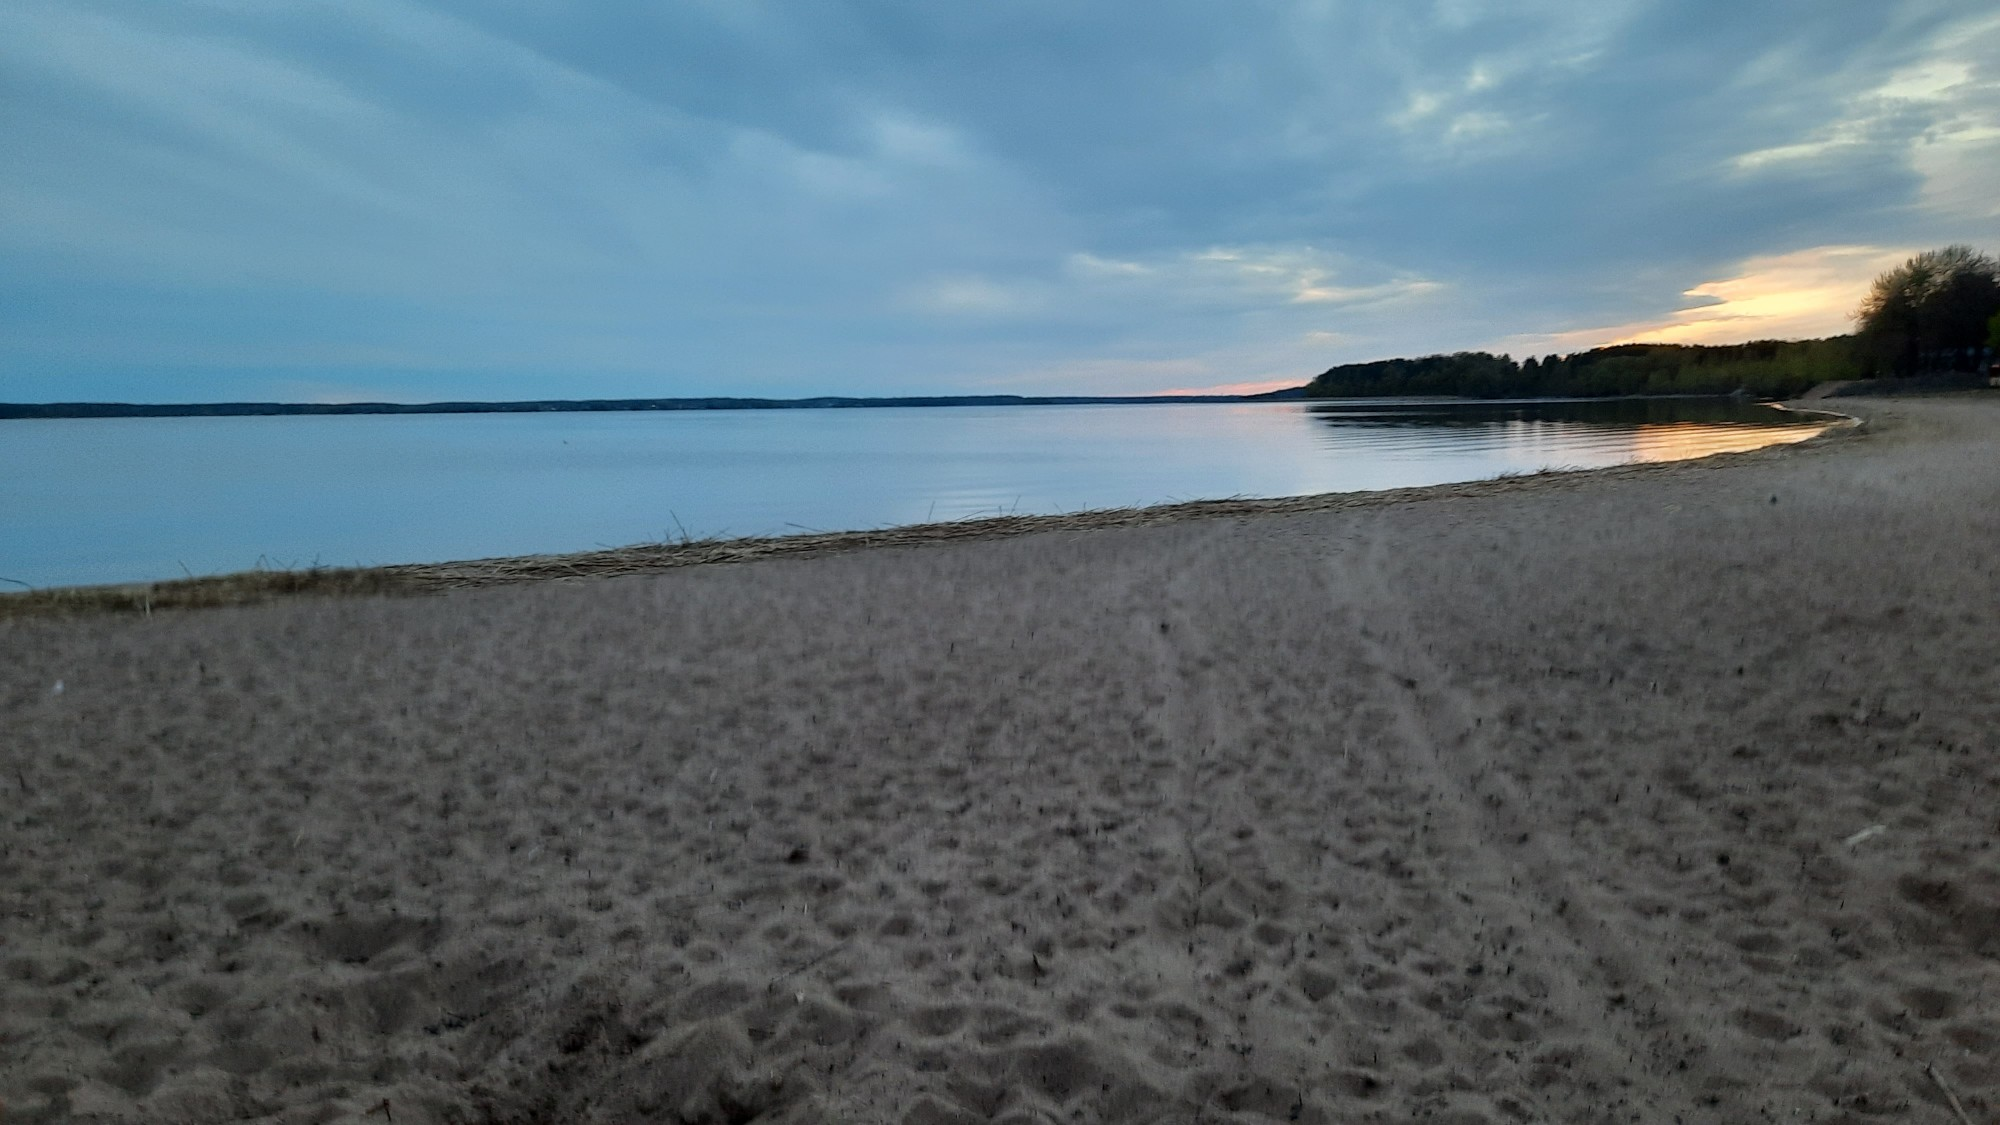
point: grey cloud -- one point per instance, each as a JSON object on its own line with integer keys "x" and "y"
{"x": 774, "y": 197}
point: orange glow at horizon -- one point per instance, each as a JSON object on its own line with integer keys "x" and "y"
{"x": 1254, "y": 388}
{"x": 1794, "y": 296}
{"x": 1801, "y": 295}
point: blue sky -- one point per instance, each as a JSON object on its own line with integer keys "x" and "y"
{"x": 404, "y": 200}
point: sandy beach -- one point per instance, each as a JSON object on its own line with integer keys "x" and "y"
{"x": 1652, "y": 795}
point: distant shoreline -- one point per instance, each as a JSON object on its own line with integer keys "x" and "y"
{"x": 38, "y": 410}
{"x": 604, "y": 405}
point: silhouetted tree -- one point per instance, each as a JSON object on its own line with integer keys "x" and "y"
{"x": 1937, "y": 302}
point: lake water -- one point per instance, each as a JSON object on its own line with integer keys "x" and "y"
{"x": 130, "y": 499}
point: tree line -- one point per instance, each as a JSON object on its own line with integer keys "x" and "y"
{"x": 1765, "y": 368}
{"x": 1938, "y": 313}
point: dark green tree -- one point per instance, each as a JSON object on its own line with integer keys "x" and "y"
{"x": 1926, "y": 312}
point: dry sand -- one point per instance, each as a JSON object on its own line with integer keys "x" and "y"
{"x": 1639, "y": 796}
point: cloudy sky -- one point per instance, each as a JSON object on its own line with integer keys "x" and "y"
{"x": 424, "y": 199}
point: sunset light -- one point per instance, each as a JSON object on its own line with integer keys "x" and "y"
{"x": 1793, "y": 296}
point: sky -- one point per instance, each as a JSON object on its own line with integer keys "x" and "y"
{"x": 414, "y": 200}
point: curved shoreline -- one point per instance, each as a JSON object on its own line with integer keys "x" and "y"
{"x": 412, "y": 579}
{"x": 1664, "y": 792}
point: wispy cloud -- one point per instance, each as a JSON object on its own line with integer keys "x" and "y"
{"x": 1939, "y": 114}
{"x": 975, "y": 296}
{"x": 1266, "y": 276}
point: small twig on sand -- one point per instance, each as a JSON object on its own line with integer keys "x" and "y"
{"x": 1948, "y": 1095}
{"x": 782, "y": 977}
{"x": 1867, "y": 833}
{"x": 1200, "y": 885}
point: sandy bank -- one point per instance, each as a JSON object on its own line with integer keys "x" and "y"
{"x": 1643, "y": 795}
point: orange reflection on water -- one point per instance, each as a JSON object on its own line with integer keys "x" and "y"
{"x": 1678, "y": 441}
{"x": 1535, "y": 446}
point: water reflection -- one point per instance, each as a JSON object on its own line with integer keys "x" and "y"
{"x": 1623, "y": 413}
{"x": 1619, "y": 413}
{"x": 125, "y": 499}
{"x": 1559, "y": 433}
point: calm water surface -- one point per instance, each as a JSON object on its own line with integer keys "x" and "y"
{"x": 129, "y": 499}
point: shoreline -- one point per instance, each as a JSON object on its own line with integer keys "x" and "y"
{"x": 1663, "y": 792}
{"x": 29, "y": 411}
{"x": 414, "y": 579}
{"x": 21, "y": 411}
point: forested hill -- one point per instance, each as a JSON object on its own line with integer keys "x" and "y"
{"x": 1772, "y": 368}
